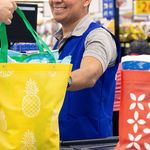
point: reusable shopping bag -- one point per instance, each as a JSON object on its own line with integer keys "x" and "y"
{"x": 31, "y": 96}
{"x": 134, "y": 115}
{"x": 20, "y": 57}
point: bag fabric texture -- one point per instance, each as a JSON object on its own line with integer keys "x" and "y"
{"x": 31, "y": 96}
{"x": 134, "y": 115}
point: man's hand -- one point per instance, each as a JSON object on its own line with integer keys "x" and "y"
{"x": 7, "y": 7}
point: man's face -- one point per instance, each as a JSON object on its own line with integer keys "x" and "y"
{"x": 120, "y": 2}
{"x": 68, "y": 11}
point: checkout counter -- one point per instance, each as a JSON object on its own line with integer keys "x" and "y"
{"x": 91, "y": 144}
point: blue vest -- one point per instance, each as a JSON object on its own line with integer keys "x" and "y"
{"x": 87, "y": 113}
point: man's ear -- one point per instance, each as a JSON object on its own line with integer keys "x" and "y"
{"x": 87, "y": 3}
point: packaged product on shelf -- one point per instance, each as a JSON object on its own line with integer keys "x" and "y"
{"x": 140, "y": 62}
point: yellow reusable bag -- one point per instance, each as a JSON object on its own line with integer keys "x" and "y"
{"x": 31, "y": 96}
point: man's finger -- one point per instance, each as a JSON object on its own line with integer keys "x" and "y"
{"x": 14, "y": 5}
{"x": 11, "y": 16}
{"x": 8, "y": 22}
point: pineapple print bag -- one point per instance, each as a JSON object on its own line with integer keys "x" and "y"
{"x": 31, "y": 96}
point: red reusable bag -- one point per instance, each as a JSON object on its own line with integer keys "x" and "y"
{"x": 134, "y": 115}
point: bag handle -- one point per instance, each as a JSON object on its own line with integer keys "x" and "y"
{"x": 4, "y": 42}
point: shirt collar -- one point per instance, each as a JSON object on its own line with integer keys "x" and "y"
{"x": 80, "y": 28}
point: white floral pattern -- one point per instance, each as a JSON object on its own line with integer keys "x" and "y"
{"x": 147, "y": 146}
{"x": 147, "y": 130}
{"x": 137, "y": 101}
{"x": 137, "y": 104}
{"x": 136, "y": 122}
{"x": 148, "y": 115}
{"x": 134, "y": 141}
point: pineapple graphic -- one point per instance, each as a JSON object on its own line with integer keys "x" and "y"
{"x": 52, "y": 73}
{"x": 3, "y": 123}
{"x": 54, "y": 121}
{"x": 6, "y": 74}
{"x": 28, "y": 142}
{"x": 31, "y": 101}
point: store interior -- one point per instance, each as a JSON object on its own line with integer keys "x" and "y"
{"x": 127, "y": 22}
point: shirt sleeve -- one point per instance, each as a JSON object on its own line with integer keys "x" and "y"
{"x": 101, "y": 45}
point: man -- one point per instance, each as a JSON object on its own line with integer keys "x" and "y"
{"x": 7, "y": 7}
{"x": 87, "y": 109}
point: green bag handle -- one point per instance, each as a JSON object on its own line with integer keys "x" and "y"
{"x": 4, "y": 42}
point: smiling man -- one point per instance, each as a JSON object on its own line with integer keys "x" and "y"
{"x": 88, "y": 105}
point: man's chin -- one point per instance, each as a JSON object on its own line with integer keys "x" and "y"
{"x": 59, "y": 20}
